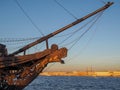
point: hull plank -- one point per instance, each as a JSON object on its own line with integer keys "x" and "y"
{"x": 26, "y": 68}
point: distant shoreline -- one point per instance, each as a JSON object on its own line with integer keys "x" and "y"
{"x": 76, "y": 73}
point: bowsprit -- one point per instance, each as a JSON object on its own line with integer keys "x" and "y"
{"x": 17, "y": 71}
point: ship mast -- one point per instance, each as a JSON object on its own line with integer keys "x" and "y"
{"x": 45, "y": 38}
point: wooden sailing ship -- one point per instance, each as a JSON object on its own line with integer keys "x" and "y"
{"x": 17, "y": 71}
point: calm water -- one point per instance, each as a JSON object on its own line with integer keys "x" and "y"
{"x": 74, "y": 83}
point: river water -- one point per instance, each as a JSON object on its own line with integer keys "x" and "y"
{"x": 74, "y": 83}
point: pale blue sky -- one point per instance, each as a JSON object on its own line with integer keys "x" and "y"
{"x": 99, "y": 48}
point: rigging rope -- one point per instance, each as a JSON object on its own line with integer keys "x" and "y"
{"x": 4, "y": 40}
{"x": 86, "y": 30}
{"x": 73, "y": 33}
{"x": 66, "y": 9}
{"x": 102, "y": 1}
{"x": 78, "y": 39}
{"x": 29, "y": 18}
{"x": 75, "y": 41}
{"x": 86, "y": 44}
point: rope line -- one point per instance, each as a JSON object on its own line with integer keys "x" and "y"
{"x": 86, "y": 44}
{"x": 76, "y": 40}
{"x": 73, "y": 33}
{"x": 17, "y": 39}
{"x": 102, "y": 1}
{"x": 29, "y": 18}
{"x": 66, "y": 9}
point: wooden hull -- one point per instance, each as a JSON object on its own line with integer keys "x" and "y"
{"x": 18, "y": 71}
